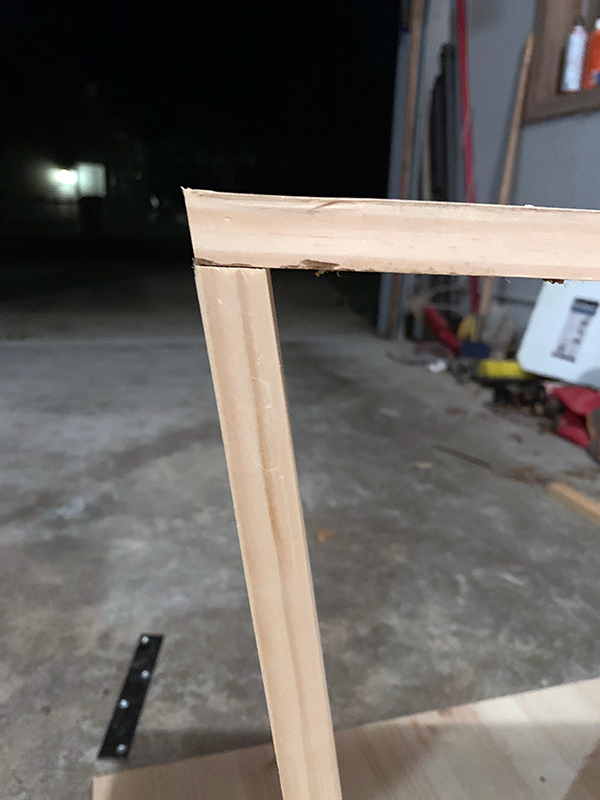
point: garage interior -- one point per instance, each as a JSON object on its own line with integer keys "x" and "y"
{"x": 444, "y": 571}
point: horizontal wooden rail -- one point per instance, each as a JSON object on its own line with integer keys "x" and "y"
{"x": 393, "y": 236}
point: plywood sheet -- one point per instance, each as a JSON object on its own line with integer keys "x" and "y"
{"x": 542, "y": 745}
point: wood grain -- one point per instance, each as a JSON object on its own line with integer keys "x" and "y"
{"x": 583, "y": 505}
{"x": 243, "y": 347}
{"x": 393, "y": 236}
{"x": 542, "y": 745}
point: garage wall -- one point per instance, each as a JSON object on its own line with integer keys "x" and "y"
{"x": 559, "y": 162}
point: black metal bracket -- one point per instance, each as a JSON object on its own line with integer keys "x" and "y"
{"x": 121, "y": 729}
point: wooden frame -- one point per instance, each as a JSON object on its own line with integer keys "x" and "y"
{"x": 553, "y": 23}
{"x": 393, "y": 236}
{"x": 236, "y": 240}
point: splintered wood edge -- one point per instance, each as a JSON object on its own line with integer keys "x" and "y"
{"x": 330, "y": 234}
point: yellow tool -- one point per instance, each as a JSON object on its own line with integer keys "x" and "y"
{"x": 502, "y": 370}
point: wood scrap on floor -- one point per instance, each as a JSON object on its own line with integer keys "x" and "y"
{"x": 581, "y": 503}
{"x": 479, "y": 462}
{"x": 527, "y": 473}
{"x": 541, "y": 745}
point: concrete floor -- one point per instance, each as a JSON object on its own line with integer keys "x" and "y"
{"x": 442, "y": 582}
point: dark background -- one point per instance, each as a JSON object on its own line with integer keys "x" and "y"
{"x": 262, "y": 96}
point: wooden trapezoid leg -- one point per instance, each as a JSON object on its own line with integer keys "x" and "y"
{"x": 243, "y": 346}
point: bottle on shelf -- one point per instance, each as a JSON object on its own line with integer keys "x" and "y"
{"x": 591, "y": 69}
{"x": 575, "y": 54}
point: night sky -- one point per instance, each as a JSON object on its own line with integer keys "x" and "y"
{"x": 262, "y": 96}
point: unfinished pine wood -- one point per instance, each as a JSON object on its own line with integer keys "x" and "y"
{"x": 581, "y": 503}
{"x": 393, "y": 236}
{"x": 542, "y": 745}
{"x": 243, "y": 347}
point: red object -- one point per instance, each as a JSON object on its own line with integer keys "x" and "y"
{"x": 591, "y": 67}
{"x": 579, "y": 401}
{"x": 467, "y": 128}
{"x": 441, "y": 331}
{"x": 572, "y": 427}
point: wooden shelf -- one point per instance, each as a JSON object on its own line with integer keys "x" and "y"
{"x": 561, "y": 104}
{"x": 553, "y": 23}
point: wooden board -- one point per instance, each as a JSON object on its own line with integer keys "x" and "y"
{"x": 542, "y": 745}
{"x": 580, "y": 503}
{"x": 393, "y": 236}
{"x": 243, "y": 348}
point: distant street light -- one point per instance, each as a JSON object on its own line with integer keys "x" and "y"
{"x": 66, "y": 176}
